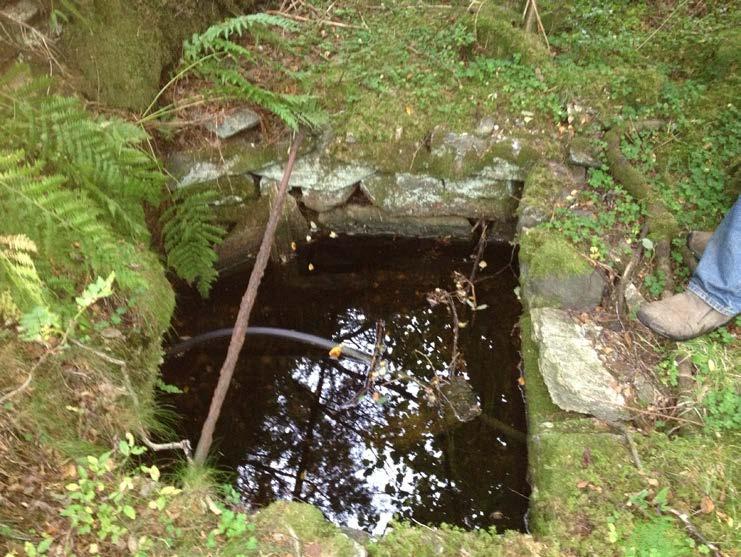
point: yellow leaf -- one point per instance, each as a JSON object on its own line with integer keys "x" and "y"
{"x": 409, "y": 110}
{"x": 335, "y": 352}
{"x": 311, "y": 266}
{"x": 154, "y": 473}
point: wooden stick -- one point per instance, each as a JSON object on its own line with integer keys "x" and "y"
{"x": 245, "y": 308}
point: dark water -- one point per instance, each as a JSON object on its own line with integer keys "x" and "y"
{"x": 290, "y": 428}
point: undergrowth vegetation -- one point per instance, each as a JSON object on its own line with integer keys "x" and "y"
{"x": 78, "y": 193}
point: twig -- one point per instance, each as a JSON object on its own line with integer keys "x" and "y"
{"x": 438, "y": 296}
{"x": 317, "y": 20}
{"x": 183, "y": 445}
{"x": 101, "y": 355}
{"x": 632, "y": 446}
{"x": 694, "y": 532}
{"x": 651, "y": 36}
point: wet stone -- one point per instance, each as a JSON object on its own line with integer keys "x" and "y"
{"x": 372, "y": 221}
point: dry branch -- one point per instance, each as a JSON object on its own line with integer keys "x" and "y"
{"x": 245, "y": 309}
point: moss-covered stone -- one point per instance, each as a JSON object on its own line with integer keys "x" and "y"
{"x": 447, "y": 541}
{"x": 554, "y": 274}
{"x": 544, "y": 185}
{"x": 285, "y": 524}
{"x": 497, "y": 34}
{"x": 547, "y": 254}
{"x": 119, "y": 53}
{"x": 122, "y": 47}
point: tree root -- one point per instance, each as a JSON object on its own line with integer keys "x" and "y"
{"x": 662, "y": 226}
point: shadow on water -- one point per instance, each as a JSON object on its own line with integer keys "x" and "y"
{"x": 290, "y": 428}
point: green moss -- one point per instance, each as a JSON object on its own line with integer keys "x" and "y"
{"x": 726, "y": 57}
{"x": 119, "y": 52}
{"x": 293, "y": 519}
{"x": 546, "y": 254}
{"x": 542, "y": 189}
{"x": 498, "y": 35}
{"x": 122, "y": 47}
{"x": 447, "y": 541}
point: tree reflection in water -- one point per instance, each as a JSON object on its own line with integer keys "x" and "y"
{"x": 287, "y": 429}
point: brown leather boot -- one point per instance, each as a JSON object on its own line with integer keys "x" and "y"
{"x": 697, "y": 241}
{"x": 681, "y": 317}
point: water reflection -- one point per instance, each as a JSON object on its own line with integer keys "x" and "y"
{"x": 293, "y": 427}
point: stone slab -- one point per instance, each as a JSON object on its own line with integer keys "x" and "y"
{"x": 576, "y": 378}
{"x": 372, "y": 221}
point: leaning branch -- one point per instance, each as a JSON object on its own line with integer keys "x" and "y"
{"x": 245, "y": 308}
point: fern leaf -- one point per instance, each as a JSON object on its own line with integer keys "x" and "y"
{"x": 18, "y": 267}
{"x": 190, "y": 235}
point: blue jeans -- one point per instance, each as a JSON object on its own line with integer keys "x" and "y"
{"x": 717, "y": 279}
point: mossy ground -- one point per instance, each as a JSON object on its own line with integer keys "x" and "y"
{"x": 394, "y": 72}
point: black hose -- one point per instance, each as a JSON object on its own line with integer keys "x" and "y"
{"x": 306, "y": 338}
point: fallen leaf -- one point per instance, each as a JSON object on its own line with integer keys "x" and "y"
{"x": 111, "y": 333}
{"x": 335, "y": 352}
{"x": 311, "y": 266}
{"x": 653, "y": 482}
{"x": 333, "y": 234}
{"x": 706, "y": 505}
{"x": 582, "y": 484}
{"x": 521, "y": 380}
{"x": 483, "y": 264}
{"x": 294, "y": 247}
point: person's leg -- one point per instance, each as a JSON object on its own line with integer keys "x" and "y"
{"x": 713, "y": 297}
{"x": 717, "y": 279}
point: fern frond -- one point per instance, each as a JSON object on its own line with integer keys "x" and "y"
{"x": 222, "y": 62}
{"x": 59, "y": 217}
{"x": 100, "y": 156}
{"x": 17, "y": 266}
{"x": 190, "y": 233}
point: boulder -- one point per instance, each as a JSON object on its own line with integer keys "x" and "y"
{"x": 486, "y": 126}
{"x": 581, "y": 153}
{"x": 546, "y": 185}
{"x": 324, "y": 184}
{"x": 576, "y": 378}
